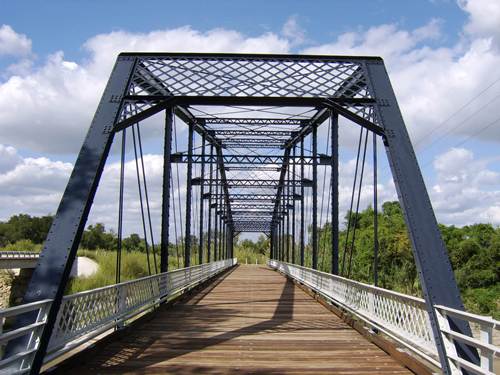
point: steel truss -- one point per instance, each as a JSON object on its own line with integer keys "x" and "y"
{"x": 144, "y": 84}
{"x": 259, "y": 122}
{"x": 248, "y": 159}
{"x": 250, "y": 133}
{"x": 256, "y": 197}
{"x": 252, "y": 205}
{"x": 243, "y": 183}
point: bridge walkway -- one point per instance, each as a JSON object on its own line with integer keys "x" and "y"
{"x": 251, "y": 320}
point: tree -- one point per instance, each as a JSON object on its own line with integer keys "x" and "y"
{"x": 96, "y": 237}
{"x": 25, "y": 227}
{"x": 133, "y": 243}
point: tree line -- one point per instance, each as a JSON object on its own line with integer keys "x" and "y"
{"x": 474, "y": 251}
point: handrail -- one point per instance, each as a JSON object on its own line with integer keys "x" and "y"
{"x": 18, "y": 254}
{"x": 484, "y": 344}
{"x": 22, "y": 361}
{"x": 87, "y": 314}
{"x": 401, "y": 317}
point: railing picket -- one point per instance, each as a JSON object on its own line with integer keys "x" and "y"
{"x": 487, "y": 357}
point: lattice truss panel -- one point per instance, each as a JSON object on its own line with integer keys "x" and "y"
{"x": 249, "y": 77}
{"x": 157, "y": 77}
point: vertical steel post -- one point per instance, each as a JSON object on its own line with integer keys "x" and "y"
{"x": 375, "y": 212}
{"x": 315, "y": 198}
{"x": 167, "y": 173}
{"x": 334, "y": 176}
{"x": 302, "y": 209}
{"x": 287, "y": 205}
{"x": 224, "y": 238}
{"x": 209, "y": 224}
{"x": 280, "y": 232}
{"x": 271, "y": 243}
{"x": 221, "y": 214}
{"x": 283, "y": 258}
{"x": 189, "y": 188}
{"x": 229, "y": 241}
{"x": 293, "y": 206}
{"x": 202, "y": 183}
{"x": 216, "y": 209}
{"x": 120, "y": 208}
{"x": 275, "y": 242}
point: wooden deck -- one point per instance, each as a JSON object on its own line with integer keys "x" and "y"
{"x": 252, "y": 320}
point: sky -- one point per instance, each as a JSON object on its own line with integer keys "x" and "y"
{"x": 442, "y": 57}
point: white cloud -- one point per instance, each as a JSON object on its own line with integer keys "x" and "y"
{"x": 12, "y": 43}
{"x": 466, "y": 191}
{"x": 388, "y": 41}
{"x": 484, "y": 18}
{"x": 48, "y": 109}
{"x": 8, "y": 158}
{"x": 30, "y": 185}
{"x": 293, "y": 31}
{"x": 430, "y": 82}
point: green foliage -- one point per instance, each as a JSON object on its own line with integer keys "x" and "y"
{"x": 474, "y": 253}
{"x": 24, "y": 227}
{"x": 22, "y": 245}
{"x": 249, "y": 252}
{"x": 96, "y": 237}
{"x": 483, "y": 300}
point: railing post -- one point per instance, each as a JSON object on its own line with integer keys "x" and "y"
{"x": 35, "y": 337}
{"x": 122, "y": 303}
{"x": 487, "y": 338}
{"x": 449, "y": 346}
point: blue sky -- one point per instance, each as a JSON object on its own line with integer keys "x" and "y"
{"x": 66, "y": 25}
{"x": 442, "y": 56}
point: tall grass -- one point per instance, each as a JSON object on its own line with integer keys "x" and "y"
{"x": 22, "y": 245}
{"x": 134, "y": 265}
{"x": 249, "y": 256}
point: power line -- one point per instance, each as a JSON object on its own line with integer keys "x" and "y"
{"x": 458, "y": 110}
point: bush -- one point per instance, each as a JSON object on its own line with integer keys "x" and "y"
{"x": 22, "y": 245}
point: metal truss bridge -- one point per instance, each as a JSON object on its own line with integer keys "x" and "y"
{"x": 250, "y": 144}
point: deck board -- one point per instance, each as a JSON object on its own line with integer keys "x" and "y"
{"x": 250, "y": 321}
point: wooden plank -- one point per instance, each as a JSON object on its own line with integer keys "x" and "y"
{"x": 254, "y": 321}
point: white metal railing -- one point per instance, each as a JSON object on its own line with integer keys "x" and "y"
{"x": 22, "y": 360}
{"x": 483, "y": 344}
{"x": 403, "y": 318}
{"x": 85, "y": 315}
{"x": 19, "y": 255}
